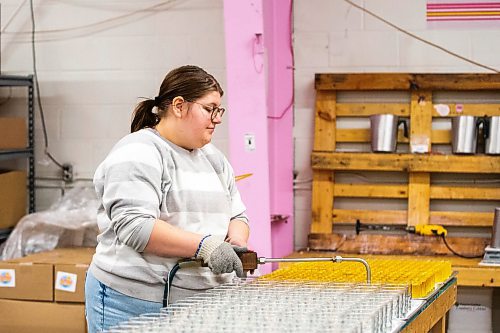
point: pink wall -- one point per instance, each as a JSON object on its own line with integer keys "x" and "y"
{"x": 246, "y": 104}
{"x": 278, "y": 41}
{"x": 250, "y": 37}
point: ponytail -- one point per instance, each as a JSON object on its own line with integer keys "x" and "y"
{"x": 143, "y": 116}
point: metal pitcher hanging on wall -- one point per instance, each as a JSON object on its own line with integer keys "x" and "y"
{"x": 492, "y": 135}
{"x": 464, "y": 131}
{"x": 384, "y": 132}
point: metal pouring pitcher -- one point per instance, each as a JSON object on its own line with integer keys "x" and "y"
{"x": 491, "y": 132}
{"x": 464, "y": 134}
{"x": 384, "y": 132}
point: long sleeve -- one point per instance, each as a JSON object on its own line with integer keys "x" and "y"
{"x": 129, "y": 183}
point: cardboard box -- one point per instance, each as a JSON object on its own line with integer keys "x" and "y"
{"x": 29, "y": 317}
{"x": 470, "y": 318}
{"x": 14, "y": 135}
{"x": 27, "y": 281}
{"x": 57, "y": 275}
{"x": 12, "y": 197}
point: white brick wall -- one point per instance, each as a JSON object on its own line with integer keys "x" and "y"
{"x": 91, "y": 78}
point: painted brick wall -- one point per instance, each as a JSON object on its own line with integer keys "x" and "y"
{"x": 92, "y": 75}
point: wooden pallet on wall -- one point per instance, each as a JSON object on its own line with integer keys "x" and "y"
{"x": 419, "y": 191}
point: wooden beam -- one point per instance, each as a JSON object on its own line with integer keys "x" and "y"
{"x": 349, "y": 216}
{"x": 396, "y": 244}
{"x": 469, "y": 81}
{"x": 401, "y": 192}
{"x": 323, "y": 181}
{"x": 322, "y": 202}
{"x": 406, "y": 81}
{"x": 441, "y": 136}
{"x": 403, "y": 110}
{"x": 418, "y": 198}
{"x": 420, "y": 141}
{"x": 367, "y": 109}
{"x": 479, "y": 110}
{"x": 368, "y": 81}
{"x": 455, "y": 163}
{"x": 363, "y": 135}
{"x": 371, "y": 191}
{"x": 360, "y": 161}
{"x": 465, "y": 193}
{"x": 352, "y": 135}
{"x": 405, "y": 162}
{"x": 462, "y": 219}
{"x": 440, "y": 326}
{"x": 324, "y": 121}
{"x": 400, "y": 217}
{"x": 421, "y": 121}
{"x": 479, "y": 276}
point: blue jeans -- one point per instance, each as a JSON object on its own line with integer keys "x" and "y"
{"x": 106, "y": 307}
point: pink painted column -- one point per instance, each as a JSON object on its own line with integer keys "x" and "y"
{"x": 247, "y": 117}
{"x": 278, "y": 42}
{"x": 259, "y": 66}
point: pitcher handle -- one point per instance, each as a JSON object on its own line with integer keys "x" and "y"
{"x": 486, "y": 126}
{"x": 405, "y": 127}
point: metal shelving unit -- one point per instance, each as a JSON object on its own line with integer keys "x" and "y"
{"x": 29, "y": 151}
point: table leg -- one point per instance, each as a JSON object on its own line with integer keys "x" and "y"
{"x": 440, "y": 326}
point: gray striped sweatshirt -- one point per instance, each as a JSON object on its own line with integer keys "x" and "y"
{"x": 146, "y": 177}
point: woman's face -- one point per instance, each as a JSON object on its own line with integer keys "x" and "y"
{"x": 199, "y": 124}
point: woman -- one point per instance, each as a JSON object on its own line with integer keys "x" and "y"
{"x": 166, "y": 193}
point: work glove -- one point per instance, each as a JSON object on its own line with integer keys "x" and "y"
{"x": 219, "y": 256}
{"x": 239, "y": 249}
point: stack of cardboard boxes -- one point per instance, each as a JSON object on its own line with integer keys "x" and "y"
{"x": 12, "y": 183}
{"x": 44, "y": 292}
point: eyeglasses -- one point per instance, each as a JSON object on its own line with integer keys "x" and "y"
{"x": 214, "y": 111}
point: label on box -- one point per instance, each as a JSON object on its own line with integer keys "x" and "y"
{"x": 66, "y": 281}
{"x": 8, "y": 278}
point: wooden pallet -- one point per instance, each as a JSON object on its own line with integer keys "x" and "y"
{"x": 419, "y": 191}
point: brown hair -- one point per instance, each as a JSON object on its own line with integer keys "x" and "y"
{"x": 190, "y": 82}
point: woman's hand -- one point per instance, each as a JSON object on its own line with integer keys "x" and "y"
{"x": 220, "y": 256}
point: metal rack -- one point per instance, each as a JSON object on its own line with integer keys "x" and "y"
{"x": 28, "y": 152}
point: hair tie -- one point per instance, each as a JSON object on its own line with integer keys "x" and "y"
{"x": 157, "y": 100}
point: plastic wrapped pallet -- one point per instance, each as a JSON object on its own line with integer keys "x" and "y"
{"x": 70, "y": 222}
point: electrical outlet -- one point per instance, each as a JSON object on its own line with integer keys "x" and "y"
{"x": 67, "y": 172}
{"x": 249, "y": 142}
